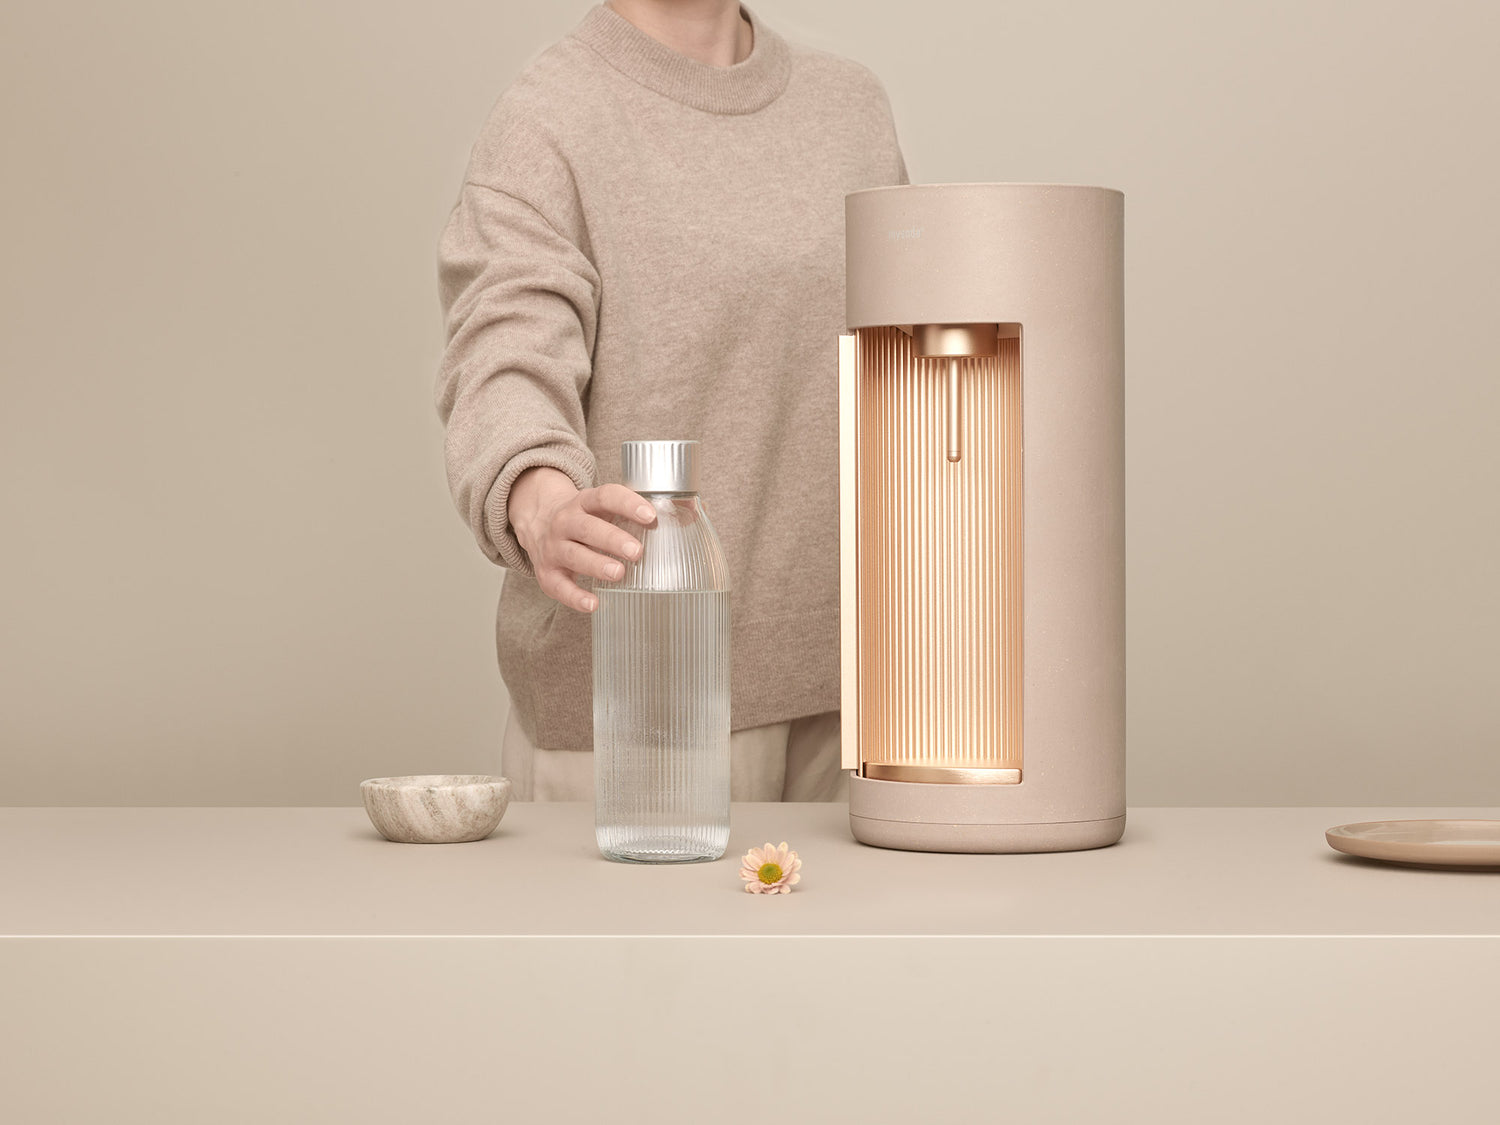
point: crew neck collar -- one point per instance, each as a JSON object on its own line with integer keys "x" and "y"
{"x": 745, "y": 87}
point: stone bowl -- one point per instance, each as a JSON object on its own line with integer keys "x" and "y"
{"x": 442, "y": 808}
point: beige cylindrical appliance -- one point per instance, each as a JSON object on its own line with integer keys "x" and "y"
{"x": 982, "y": 512}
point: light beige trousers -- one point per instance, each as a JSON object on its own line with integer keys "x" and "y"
{"x": 791, "y": 761}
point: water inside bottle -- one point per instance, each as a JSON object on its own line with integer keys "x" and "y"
{"x": 661, "y": 724}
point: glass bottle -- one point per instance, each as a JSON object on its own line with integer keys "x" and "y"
{"x": 661, "y": 675}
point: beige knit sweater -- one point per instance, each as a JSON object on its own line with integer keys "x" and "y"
{"x": 644, "y": 247}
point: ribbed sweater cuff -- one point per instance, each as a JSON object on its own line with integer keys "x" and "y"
{"x": 577, "y": 463}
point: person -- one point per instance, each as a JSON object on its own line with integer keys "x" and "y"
{"x": 648, "y": 244}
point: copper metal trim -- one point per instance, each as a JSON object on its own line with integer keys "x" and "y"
{"x": 849, "y": 724}
{"x": 937, "y": 547}
{"x": 941, "y": 775}
{"x": 956, "y": 340}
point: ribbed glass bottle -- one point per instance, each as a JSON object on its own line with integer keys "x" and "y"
{"x": 661, "y": 676}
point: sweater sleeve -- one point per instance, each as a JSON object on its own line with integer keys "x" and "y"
{"x": 520, "y": 304}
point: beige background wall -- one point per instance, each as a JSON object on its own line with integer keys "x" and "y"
{"x": 231, "y": 571}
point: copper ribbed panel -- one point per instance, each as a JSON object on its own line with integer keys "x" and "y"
{"x": 939, "y": 558}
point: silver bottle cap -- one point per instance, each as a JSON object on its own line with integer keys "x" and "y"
{"x": 660, "y": 466}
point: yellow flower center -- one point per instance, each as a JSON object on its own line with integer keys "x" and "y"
{"x": 769, "y": 873}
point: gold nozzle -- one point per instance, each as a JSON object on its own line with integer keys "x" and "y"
{"x": 954, "y": 342}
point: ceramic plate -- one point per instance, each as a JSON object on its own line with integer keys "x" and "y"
{"x": 1434, "y": 843}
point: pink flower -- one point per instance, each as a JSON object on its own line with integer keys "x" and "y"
{"x": 770, "y": 870}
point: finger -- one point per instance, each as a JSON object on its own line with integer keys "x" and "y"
{"x": 560, "y": 587}
{"x": 617, "y": 500}
{"x": 575, "y": 558}
{"x": 599, "y": 534}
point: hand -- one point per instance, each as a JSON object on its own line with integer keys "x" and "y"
{"x": 567, "y": 532}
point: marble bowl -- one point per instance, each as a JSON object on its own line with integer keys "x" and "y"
{"x": 441, "y": 808}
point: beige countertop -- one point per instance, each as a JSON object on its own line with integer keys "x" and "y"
{"x": 325, "y": 871}
{"x": 245, "y": 965}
